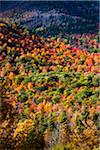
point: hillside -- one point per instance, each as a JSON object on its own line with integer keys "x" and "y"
{"x": 49, "y": 92}
{"x": 53, "y": 18}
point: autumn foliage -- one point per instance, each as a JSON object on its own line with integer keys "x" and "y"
{"x": 49, "y": 93}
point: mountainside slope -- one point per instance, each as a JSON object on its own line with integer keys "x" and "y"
{"x": 49, "y": 93}
{"x": 54, "y": 18}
